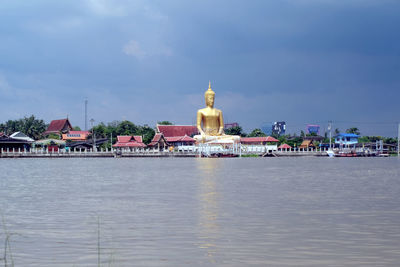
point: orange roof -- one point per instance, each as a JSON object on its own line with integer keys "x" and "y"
{"x": 75, "y": 135}
{"x": 306, "y": 143}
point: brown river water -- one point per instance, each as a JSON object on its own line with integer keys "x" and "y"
{"x": 200, "y": 212}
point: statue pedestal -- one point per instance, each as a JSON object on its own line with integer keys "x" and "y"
{"x": 215, "y": 140}
{"x": 218, "y": 146}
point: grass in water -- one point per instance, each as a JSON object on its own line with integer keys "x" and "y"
{"x": 7, "y": 246}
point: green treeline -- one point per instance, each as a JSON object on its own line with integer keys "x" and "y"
{"x": 35, "y": 128}
{"x": 123, "y": 128}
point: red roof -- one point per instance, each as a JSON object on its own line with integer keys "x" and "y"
{"x": 271, "y": 139}
{"x": 57, "y": 126}
{"x": 185, "y": 138}
{"x": 156, "y": 139}
{"x": 138, "y": 138}
{"x": 258, "y": 139}
{"x": 284, "y": 146}
{"x": 177, "y": 130}
{"x": 124, "y": 138}
{"x": 129, "y": 141}
{"x": 129, "y": 144}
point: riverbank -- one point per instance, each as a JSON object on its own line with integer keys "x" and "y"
{"x": 149, "y": 154}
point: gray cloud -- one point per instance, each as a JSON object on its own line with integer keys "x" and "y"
{"x": 300, "y": 61}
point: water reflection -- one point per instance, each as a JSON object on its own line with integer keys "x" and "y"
{"x": 209, "y": 229}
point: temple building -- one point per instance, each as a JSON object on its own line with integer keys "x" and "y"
{"x": 158, "y": 142}
{"x": 59, "y": 127}
{"x": 176, "y": 135}
{"x": 128, "y": 142}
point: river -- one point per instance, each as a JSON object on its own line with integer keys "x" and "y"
{"x": 309, "y": 211}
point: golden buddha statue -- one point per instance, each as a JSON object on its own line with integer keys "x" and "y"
{"x": 210, "y": 122}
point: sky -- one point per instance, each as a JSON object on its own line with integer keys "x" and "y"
{"x": 299, "y": 61}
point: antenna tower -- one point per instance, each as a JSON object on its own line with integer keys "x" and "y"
{"x": 86, "y": 102}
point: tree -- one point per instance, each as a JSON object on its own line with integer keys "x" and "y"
{"x": 126, "y": 128}
{"x": 257, "y": 133}
{"x": 76, "y": 128}
{"x": 353, "y": 130}
{"x": 165, "y": 123}
{"x": 390, "y": 140}
{"x": 28, "y": 125}
{"x": 100, "y": 130}
{"x": 337, "y": 131}
{"x": 53, "y": 136}
{"x": 147, "y": 133}
{"x": 236, "y": 130}
{"x": 282, "y": 139}
{"x": 116, "y": 128}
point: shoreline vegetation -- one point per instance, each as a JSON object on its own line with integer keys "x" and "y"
{"x": 35, "y": 128}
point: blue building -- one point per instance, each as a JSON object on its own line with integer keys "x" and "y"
{"x": 279, "y": 128}
{"x": 313, "y": 129}
{"x": 267, "y": 129}
{"x": 346, "y": 139}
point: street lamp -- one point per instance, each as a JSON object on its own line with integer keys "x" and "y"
{"x": 330, "y": 135}
{"x": 93, "y": 135}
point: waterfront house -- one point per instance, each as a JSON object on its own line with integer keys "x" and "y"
{"x": 346, "y": 139}
{"x": 59, "y": 126}
{"x": 86, "y": 144}
{"x": 128, "y": 142}
{"x": 284, "y": 147}
{"x": 264, "y": 140}
{"x": 259, "y": 144}
{"x": 13, "y": 144}
{"x": 50, "y": 145}
{"x": 21, "y": 136}
{"x": 307, "y": 144}
{"x": 311, "y": 141}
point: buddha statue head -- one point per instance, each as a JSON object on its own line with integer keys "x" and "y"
{"x": 209, "y": 96}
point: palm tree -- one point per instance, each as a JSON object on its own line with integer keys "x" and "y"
{"x": 353, "y": 130}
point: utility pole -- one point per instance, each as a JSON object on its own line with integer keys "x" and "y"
{"x": 93, "y": 135}
{"x": 86, "y": 114}
{"x": 330, "y": 135}
{"x": 111, "y": 143}
{"x": 398, "y": 141}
